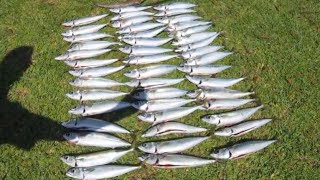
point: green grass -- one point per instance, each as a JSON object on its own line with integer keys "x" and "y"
{"x": 277, "y": 49}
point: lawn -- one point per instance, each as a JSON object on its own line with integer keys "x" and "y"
{"x": 277, "y": 49}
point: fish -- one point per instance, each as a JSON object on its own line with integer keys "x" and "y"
{"x": 167, "y": 115}
{"x": 95, "y": 139}
{"x": 171, "y": 146}
{"x": 94, "y": 159}
{"x": 241, "y": 149}
{"x": 241, "y": 129}
{"x": 139, "y": 27}
{"x": 96, "y": 125}
{"x": 153, "y": 83}
{"x": 86, "y": 37}
{"x": 213, "y": 82}
{"x": 189, "y": 31}
{"x": 84, "y": 30}
{"x": 100, "y": 172}
{"x": 143, "y": 34}
{"x": 127, "y": 15}
{"x": 83, "y": 54}
{"x": 159, "y": 93}
{"x": 95, "y": 72}
{"x": 95, "y": 83}
{"x": 225, "y": 104}
{"x": 94, "y": 94}
{"x": 195, "y": 38}
{"x": 150, "y": 71}
{"x": 230, "y": 118}
{"x": 217, "y": 93}
{"x": 173, "y": 12}
{"x": 170, "y": 161}
{"x": 146, "y": 41}
{"x": 177, "y": 19}
{"x": 84, "y": 20}
{"x": 172, "y": 128}
{"x": 99, "y": 108}
{"x": 143, "y": 50}
{"x": 150, "y": 59}
{"x": 92, "y": 45}
{"x": 200, "y": 52}
{"x": 195, "y": 45}
{"x": 160, "y": 104}
{"x": 129, "y": 9}
{"x": 130, "y": 21}
{"x": 181, "y": 26}
{"x": 208, "y": 58}
{"x": 175, "y": 5}
{"x": 202, "y": 70}
{"x": 90, "y": 63}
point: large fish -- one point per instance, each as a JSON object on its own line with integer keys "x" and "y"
{"x": 174, "y": 160}
{"x": 189, "y": 31}
{"x": 153, "y": 83}
{"x": 171, "y": 146}
{"x": 160, "y": 104}
{"x": 175, "y": 5}
{"x": 149, "y": 59}
{"x": 177, "y": 19}
{"x": 94, "y": 159}
{"x": 95, "y": 72}
{"x": 241, "y": 149}
{"x": 92, "y": 45}
{"x": 172, "y": 128}
{"x": 75, "y": 55}
{"x": 208, "y": 58}
{"x": 85, "y": 20}
{"x": 95, "y": 94}
{"x": 213, "y": 82}
{"x": 196, "y": 45}
{"x": 200, "y": 52}
{"x": 174, "y": 12}
{"x": 84, "y": 30}
{"x": 96, "y": 125}
{"x": 159, "y": 93}
{"x": 139, "y": 27}
{"x": 100, "y": 172}
{"x": 131, "y": 21}
{"x": 202, "y": 70}
{"x": 95, "y": 83}
{"x": 127, "y": 15}
{"x": 225, "y": 104}
{"x": 217, "y": 93}
{"x": 99, "y": 108}
{"x": 86, "y": 37}
{"x": 181, "y": 26}
{"x": 230, "y": 118}
{"x": 150, "y": 71}
{"x": 195, "y": 38}
{"x": 95, "y": 139}
{"x": 129, "y": 9}
{"x": 146, "y": 41}
{"x": 143, "y": 50}
{"x": 90, "y": 63}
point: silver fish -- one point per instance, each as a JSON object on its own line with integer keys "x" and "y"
{"x": 90, "y": 63}
{"x": 139, "y": 27}
{"x": 159, "y": 93}
{"x": 95, "y": 94}
{"x": 160, "y": 104}
{"x": 144, "y": 34}
{"x": 86, "y": 37}
{"x": 149, "y": 59}
{"x": 200, "y": 52}
{"x": 213, "y": 82}
{"x": 170, "y": 161}
{"x": 172, "y": 128}
{"x": 131, "y": 21}
{"x": 202, "y": 70}
{"x": 95, "y": 139}
{"x": 241, "y": 150}
{"x": 177, "y": 19}
{"x": 167, "y": 115}
{"x": 181, "y": 26}
{"x": 225, "y": 104}
{"x": 143, "y": 50}
{"x": 127, "y": 15}
{"x": 95, "y": 72}
{"x": 195, "y": 45}
{"x": 217, "y": 93}
{"x": 100, "y": 172}
{"x": 146, "y": 41}
{"x": 230, "y": 118}
{"x": 241, "y": 129}
{"x": 75, "y": 55}
{"x": 85, "y": 20}
{"x": 95, "y": 83}
{"x": 153, "y": 82}
{"x": 208, "y": 58}
{"x": 171, "y": 146}
{"x": 99, "y": 108}
{"x": 84, "y": 30}
{"x": 173, "y": 12}
{"x": 94, "y": 159}
{"x": 150, "y": 71}
{"x": 175, "y": 5}
{"x": 189, "y": 31}
{"x": 129, "y": 9}
{"x": 92, "y": 45}
{"x": 91, "y": 124}
{"x": 195, "y": 38}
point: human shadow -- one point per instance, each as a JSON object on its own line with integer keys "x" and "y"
{"x": 19, "y": 126}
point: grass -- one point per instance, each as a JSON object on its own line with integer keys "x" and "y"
{"x": 277, "y": 49}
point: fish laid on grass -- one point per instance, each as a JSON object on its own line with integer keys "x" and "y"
{"x": 171, "y": 146}
{"x": 95, "y": 83}
{"x": 177, "y": 19}
{"x": 241, "y": 149}
{"x": 159, "y": 93}
{"x": 127, "y": 15}
{"x": 226, "y": 104}
{"x": 196, "y": 45}
{"x": 139, "y": 27}
{"x": 208, "y": 58}
{"x": 149, "y": 59}
{"x": 189, "y": 31}
{"x": 213, "y": 82}
{"x": 150, "y": 71}
{"x": 174, "y": 12}
{"x": 195, "y": 38}
{"x": 131, "y": 21}
{"x": 143, "y": 50}
{"x": 172, "y": 128}
{"x": 86, "y": 37}
{"x": 230, "y": 118}
{"x": 95, "y": 94}
{"x": 100, "y": 172}
{"x": 75, "y": 55}
{"x": 144, "y": 34}
{"x": 202, "y": 70}
{"x": 95, "y": 72}
{"x": 160, "y": 104}
{"x": 129, "y": 9}
{"x": 217, "y": 93}
{"x": 95, "y": 139}
{"x": 175, "y": 5}
{"x": 241, "y": 129}
{"x": 96, "y": 125}
{"x": 200, "y": 52}
{"x": 94, "y": 159}
{"x": 92, "y": 45}
{"x": 90, "y": 63}
{"x": 181, "y": 26}
{"x": 85, "y": 20}
{"x": 99, "y": 108}
{"x": 153, "y": 82}
{"x": 84, "y": 30}
{"x": 170, "y": 161}
{"x": 146, "y": 41}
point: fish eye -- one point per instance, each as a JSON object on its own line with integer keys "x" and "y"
{"x": 72, "y": 170}
{"x": 144, "y": 145}
{"x": 68, "y": 134}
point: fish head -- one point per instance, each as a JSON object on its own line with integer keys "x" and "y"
{"x": 223, "y": 153}
{"x": 69, "y": 38}
{"x": 179, "y": 34}
{"x": 131, "y": 60}
{"x": 129, "y": 40}
{"x": 133, "y": 83}
{"x": 153, "y": 131}
{"x": 69, "y": 23}
{"x": 194, "y": 79}
{"x": 147, "y": 117}
{"x": 69, "y": 160}
{"x": 76, "y": 82}
{"x": 190, "y": 62}
{"x": 139, "y": 95}
{"x": 212, "y": 119}
{"x": 126, "y": 49}
{"x": 67, "y": 33}
{"x": 163, "y": 20}
{"x": 148, "y": 147}
{"x": 75, "y": 95}
{"x": 144, "y": 157}
{"x": 78, "y": 110}
{"x": 185, "y": 68}
{"x": 141, "y": 105}
{"x": 116, "y": 24}
{"x": 71, "y": 63}
{"x": 76, "y": 72}
{"x": 75, "y": 47}
{"x": 151, "y": 159}
{"x": 224, "y": 132}
{"x": 69, "y": 124}
{"x": 71, "y": 137}
{"x": 132, "y": 74}
{"x": 62, "y": 57}
{"x": 194, "y": 93}
{"x": 76, "y": 173}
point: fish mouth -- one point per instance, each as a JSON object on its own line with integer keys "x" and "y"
{"x": 66, "y": 34}
{"x": 129, "y": 75}
{"x": 61, "y": 58}
{"x": 73, "y": 73}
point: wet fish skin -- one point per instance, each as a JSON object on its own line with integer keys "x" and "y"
{"x": 131, "y": 21}
{"x": 84, "y": 30}
{"x": 129, "y": 9}
{"x": 95, "y": 72}
{"x": 75, "y": 55}
{"x": 95, "y": 83}
{"x": 160, "y": 104}
{"x": 144, "y": 34}
{"x": 190, "y": 31}
{"x": 213, "y": 82}
{"x": 146, "y": 41}
{"x": 195, "y": 38}
{"x": 84, "y": 20}
{"x": 200, "y": 52}
{"x": 91, "y": 45}
{"x": 86, "y": 37}
{"x": 90, "y": 63}
{"x": 173, "y": 12}
{"x": 177, "y": 19}
{"x": 217, "y": 93}
{"x": 160, "y": 93}
{"x": 150, "y": 59}
{"x": 175, "y": 5}
{"x": 143, "y": 50}
{"x": 181, "y": 26}
{"x": 150, "y": 71}
{"x": 225, "y": 104}
{"x": 139, "y": 27}
{"x": 202, "y": 70}
{"x": 208, "y": 58}
{"x": 196, "y": 45}
{"x": 127, "y": 15}
{"x": 94, "y": 94}
{"x": 153, "y": 82}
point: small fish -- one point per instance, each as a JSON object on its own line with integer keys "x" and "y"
{"x": 146, "y": 41}
{"x": 191, "y": 30}
{"x": 230, "y": 118}
{"x": 208, "y": 58}
{"x": 150, "y": 59}
{"x": 143, "y": 50}
{"x": 195, "y": 45}
{"x": 127, "y": 15}
{"x": 202, "y": 70}
{"x": 175, "y": 5}
{"x": 213, "y": 82}
{"x": 91, "y": 45}
{"x": 181, "y": 26}
{"x": 241, "y": 149}
{"x": 225, "y": 104}
{"x": 160, "y": 104}
{"x": 174, "y": 12}
{"x": 153, "y": 83}
{"x": 86, "y": 37}
{"x": 217, "y": 93}
{"x": 139, "y": 27}
{"x": 75, "y": 55}
{"x": 177, "y": 19}
{"x": 84, "y": 30}
{"x": 131, "y": 21}
{"x": 95, "y": 72}
{"x": 95, "y": 83}
{"x": 200, "y": 52}
{"x": 90, "y": 63}
{"x": 94, "y": 94}
{"x": 150, "y": 71}
{"x": 85, "y": 20}
{"x": 129, "y": 9}
{"x": 159, "y": 93}
{"x": 144, "y": 34}
{"x": 195, "y": 38}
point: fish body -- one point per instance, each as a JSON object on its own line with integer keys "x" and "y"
{"x": 85, "y": 20}
{"x": 195, "y": 38}
{"x": 127, "y": 15}
{"x": 202, "y": 70}
{"x": 86, "y": 37}
{"x": 83, "y": 54}
{"x": 95, "y": 72}
{"x": 139, "y": 27}
{"x": 143, "y": 50}
{"x": 150, "y": 59}
{"x": 84, "y": 30}
{"x": 146, "y": 41}
{"x": 217, "y": 93}
{"x": 95, "y": 83}
{"x": 94, "y": 94}
{"x": 144, "y": 34}
{"x": 177, "y": 19}
{"x": 121, "y": 10}
{"x": 160, "y": 104}
{"x": 90, "y": 63}
{"x": 181, "y": 26}
{"x": 175, "y": 5}
{"x": 159, "y": 93}
{"x": 173, "y": 12}
{"x": 226, "y": 104}
{"x": 131, "y": 21}
{"x": 92, "y": 45}
{"x": 196, "y": 45}
{"x": 213, "y": 82}
{"x": 208, "y": 58}
{"x": 200, "y": 52}
{"x": 153, "y": 83}
{"x": 192, "y": 30}
{"x": 150, "y": 71}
